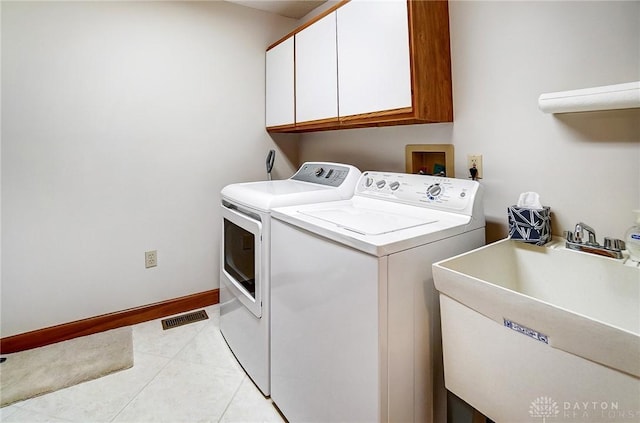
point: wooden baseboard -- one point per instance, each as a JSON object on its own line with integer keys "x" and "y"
{"x": 132, "y": 316}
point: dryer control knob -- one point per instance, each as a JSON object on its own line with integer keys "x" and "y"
{"x": 368, "y": 182}
{"x": 381, "y": 183}
{"x": 319, "y": 171}
{"x": 394, "y": 185}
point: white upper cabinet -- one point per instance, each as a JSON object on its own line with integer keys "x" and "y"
{"x": 316, "y": 94}
{"x": 280, "y": 108}
{"x": 363, "y": 63}
{"x": 374, "y": 69}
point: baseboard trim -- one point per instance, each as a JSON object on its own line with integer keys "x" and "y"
{"x": 91, "y": 325}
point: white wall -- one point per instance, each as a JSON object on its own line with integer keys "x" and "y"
{"x": 504, "y": 55}
{"x": 121, "y": 123}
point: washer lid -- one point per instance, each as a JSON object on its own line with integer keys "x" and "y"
{"x": 374, "y": 226}
{"x": 367, "y": 221}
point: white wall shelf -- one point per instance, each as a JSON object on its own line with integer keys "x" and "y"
{"x": 609, "y": 97}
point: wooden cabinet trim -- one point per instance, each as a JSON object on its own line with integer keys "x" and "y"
{"x": 309, "y": 23}
{"x": 430, "y": 49}
{"x": 282, "y": 128}
{"x": 383, "y": 114}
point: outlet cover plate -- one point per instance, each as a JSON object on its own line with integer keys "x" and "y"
{"x": 151, "y": 259}
{"x": 475, "y": 160}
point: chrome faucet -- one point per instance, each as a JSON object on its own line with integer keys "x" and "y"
{"x": 578, "y": 234}
{"x": 575, "y": 241}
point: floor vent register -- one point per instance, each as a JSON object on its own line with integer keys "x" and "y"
{"x": 184, "y": 319}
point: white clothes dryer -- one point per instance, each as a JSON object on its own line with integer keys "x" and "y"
{"x": 245, "y": 254}
{"x": 355, "y": 329}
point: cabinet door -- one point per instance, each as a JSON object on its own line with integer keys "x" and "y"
{"x": 316, "y": 71}
{"x": 280, "y": 109}
{"x": 374, "y": 71}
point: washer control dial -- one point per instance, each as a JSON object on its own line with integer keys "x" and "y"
{"x": 381, "y": 183}
{"x": 434, "y": 191}
{"x": 318, "y": 171}
{"x": 368, "y": 182}
{"x": 394, "y": 185}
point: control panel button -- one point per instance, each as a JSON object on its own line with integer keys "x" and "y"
{"x": 394, "y": 185}
{"x": 329, "y": 173}
{"x": 381, "y": 183}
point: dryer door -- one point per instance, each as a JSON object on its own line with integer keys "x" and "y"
{"x": 242, "y": 256}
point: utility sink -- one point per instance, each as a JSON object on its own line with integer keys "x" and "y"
{"x": 522, "y": 322}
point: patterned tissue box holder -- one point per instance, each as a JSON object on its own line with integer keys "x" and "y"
{"x": 532, "y": 226}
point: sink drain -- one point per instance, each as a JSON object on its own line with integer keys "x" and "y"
{"x": 184, "y": 319}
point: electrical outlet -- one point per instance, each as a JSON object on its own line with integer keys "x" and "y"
{"x": 475, "y": 161}
{"x": 151, "y": 259}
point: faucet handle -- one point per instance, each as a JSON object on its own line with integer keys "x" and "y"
{"x": 614, "y": 244}
{"x": 568, "y": 235}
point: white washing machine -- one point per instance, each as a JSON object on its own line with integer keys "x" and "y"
{"x": 355, "y": 328}
{"x": 245, "y": 254}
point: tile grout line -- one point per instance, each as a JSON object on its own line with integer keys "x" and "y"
{"x": 232, "y": 398}
{"x": 134, "y": 396}
{"x": 36, "y": 412}
{"x": 169, "y": 361}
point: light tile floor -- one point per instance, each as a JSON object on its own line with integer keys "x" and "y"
{"x": 185, "y": 374}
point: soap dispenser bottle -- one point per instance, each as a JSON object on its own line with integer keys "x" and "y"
{"x": 632, "y": 238}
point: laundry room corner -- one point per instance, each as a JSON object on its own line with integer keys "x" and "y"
{"x": 120, "y": 128}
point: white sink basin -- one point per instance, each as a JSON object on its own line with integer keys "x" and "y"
{"x": 545, "y": 322}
